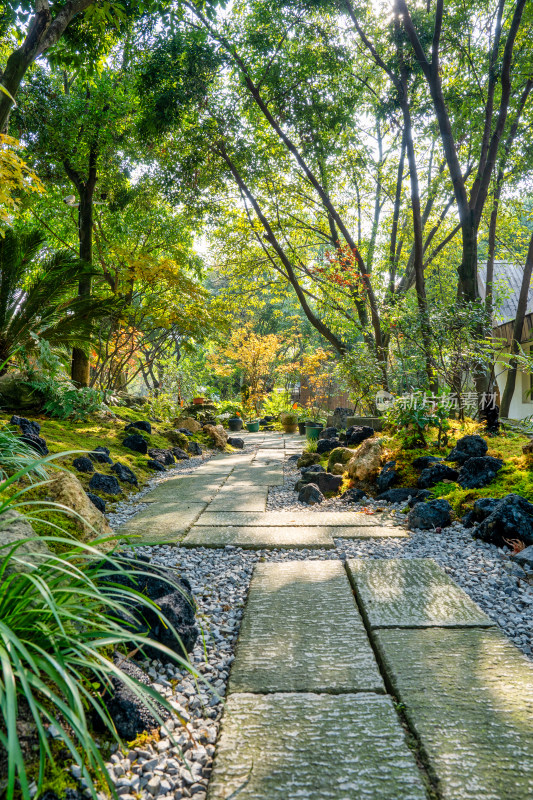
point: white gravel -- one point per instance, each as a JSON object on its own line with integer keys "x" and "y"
{"x": 220, "y": 581}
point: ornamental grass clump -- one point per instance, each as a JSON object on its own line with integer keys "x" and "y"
{"x": 60, "y": 632}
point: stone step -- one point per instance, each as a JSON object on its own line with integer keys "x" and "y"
{"x": 412, "y": 592}
{"x": 296, "y": 518}
{"x": 468, "y": 695}
{"x": 301, "y": 631}
{"x": 160, "y": 523}
{"x": 228, "y": 502}
{"x": 257, "y": 538}
{"x": 313, "y": 747}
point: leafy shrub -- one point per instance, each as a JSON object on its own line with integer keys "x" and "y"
{"x": 412, "y": 420}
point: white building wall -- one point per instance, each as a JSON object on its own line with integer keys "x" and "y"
{"x": 521, "y": 404}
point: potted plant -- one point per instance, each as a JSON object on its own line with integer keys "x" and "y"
{"x": 235, "y": 423}
{"x": 289, "y": 421}
{"x": 253, "y": 426}
{"x": 198, "y": 401}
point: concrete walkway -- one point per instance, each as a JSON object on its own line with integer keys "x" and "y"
{"x": 364, "y": 680}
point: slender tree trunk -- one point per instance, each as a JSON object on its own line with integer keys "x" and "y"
{"x": 508, "y": 392}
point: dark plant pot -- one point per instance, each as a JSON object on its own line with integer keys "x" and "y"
{"x": 301, "y": 428}
{"x": 235, "y": 424}
{"x": 253, "y": 427}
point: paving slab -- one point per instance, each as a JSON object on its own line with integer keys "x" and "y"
{"x": 183, "y": 492}
{"x": 256, "y": 538}
{"x": 411, "y": 592}
{"x": 239, "y": 502}
{"x": 297, "y": 518}
{"x": 468, "y": 694}
{"x": 301, "y": 631}
{"x": 160, "y": 522}
{"x": 313, "y": 747}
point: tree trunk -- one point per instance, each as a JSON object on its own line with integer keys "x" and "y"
{"x": 517, "y": 333}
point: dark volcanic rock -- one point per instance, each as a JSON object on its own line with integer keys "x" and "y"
{"x": 512, "y": 518}
{"x": 124, "y": 473}
{"x": 157, "y": 466}
{"x": 180, "y": 454}
{"x": 35, "y": 441}
{"x": 328, "y": 433}
{"x": 141, "y": 425}
{"x": 236, "y": 441}
{"x": 433, "y": 475}
{"x": 353, "y": 496}
{"x": 83, "y": 464}
{"x": 195, "y": 449}
{"x": 328, "y": 482}
{"x": 96, "y": 501}
{"x": 26, "y": 425}
{"x": 310, "y": 495}
{"x": 430, "y": 515}
{"x": 128, "y": 712}
{"x": 525, "y": 558}
{"x": 358, "y": 433}
{"x": 478, "y": 472}
{"x": 101, "y": 455}
{"x": 159, "y": 454}
{"x": 423, "y": 462}
{"x": 468, "y": 447}
{"x": 421, "y": 497}
{"x": 491, "y": 418}
{"x": 401, "y": 495}
{"x": 387, "y": 477}
{"x": 483, "y": 506}
{"x": 104, "y": 483}
{"x": 136, "y": 443}
{"x": 325, "y": 445}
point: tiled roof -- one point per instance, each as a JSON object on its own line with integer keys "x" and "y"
{"x": 507, "y": 283}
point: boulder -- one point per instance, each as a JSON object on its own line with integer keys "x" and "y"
{"x": 67, "y": 490}
{"x": 387, "y": 477}
{"x": 430, "y": 515}
{"x": 401, "y": 494}
{"x": 236, "y": 441}
{"x": 195, "y": 449}
{"x": 217, "y": 434}
{"x": 365, "y": 464}
{"x": 124, "y": 473}
{"x": 527, "y": 449}
{"x": 185, "y": 431}
{"x": 481, "y": 509}
{"x": 353, "y": 496}
{"x": 435, "y": 474}
{"x": 306, "y": 459}
{"x": 423, "y": 462}
{"x": 358, "y": 433}
{"x": 96, "y": 501}
{"x": 141, "y": 425}
{"x": 341, "y": 455}
{"x": 177, "y": 438}
{"x": 129, "y": 714}
{"x": 179, "y": 454}
{"x": 309, "y": 475}
{"x": 325, "y": 445}
{"x": 83, "y": 464}
{"x": 337, "y": 469}
{"x": 468, "y": 447}
{"x": 35, "y": 441}
{"x": 525, "y": 558}
{"x": 166, "y": 457}
{"x": 301, "y": 483}
{"x": 26, "y": 425}
{"x": 136, "y": 443}
{"x": 478, "y": 472}
{"x": 15, "y": 531}
{"x": 16, "y": 395}
{"x": 172, "y": 594}
{"x": 328, "y": 482}
{"x": 421, "y": 497}
{"x": 100, "y": 455}
{"x": 104, "y": 483}
{"x": 328, "y": 433}
{"x": 189, "y": 424}
{"x": 310, "y": 495}
{"x": 339, "y": 417}
{"x": 313, "y": 468}
{"x": 157, "y": 466}
{"x": 512, "y": 518}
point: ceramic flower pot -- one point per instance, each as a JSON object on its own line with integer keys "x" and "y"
{"x": 235, "y": 424}
{"x": 253, "y": 427}
{"x": 312, "y": 429}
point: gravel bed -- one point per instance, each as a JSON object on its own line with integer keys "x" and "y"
{"x": 220, "y": 581}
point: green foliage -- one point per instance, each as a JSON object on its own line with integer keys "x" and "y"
{"x": 277, "y": 403}
{"x": 413, "y": 419}
{"x": 16, "y": 455}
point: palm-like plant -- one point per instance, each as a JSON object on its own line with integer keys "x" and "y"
{"x": 39, "y": 296}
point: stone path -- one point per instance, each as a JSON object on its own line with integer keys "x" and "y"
{"x": 364, "y": 680}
